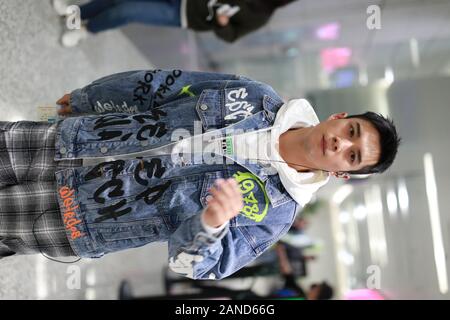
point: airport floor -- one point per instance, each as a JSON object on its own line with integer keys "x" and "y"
{"x": 35, "y": 70}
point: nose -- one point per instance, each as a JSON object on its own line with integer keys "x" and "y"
{"x": 340, "y": 144}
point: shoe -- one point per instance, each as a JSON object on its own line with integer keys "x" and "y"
{"x": 125, "y": 292}
{"x": 71, "y": 38}
{"x": 60, "y": 6}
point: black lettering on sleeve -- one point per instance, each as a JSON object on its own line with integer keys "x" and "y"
{"x": 96, "y": 172}
{"x": 153, "y": 168}
{"x": 177, "y": 73}
{"x": 116, "y": 192}
{"x": 154, "y": 193}
{"x": 126, "y": 137}
{"x": 144, "y": 87}
{"x": 155, "y": 114}
{"x": 111, "y": 211}
{"x": 138, "y": 97}
{"x": 159, "y": 129}
{"x": 111, "y": 120}
{"x": 108, "y": 135}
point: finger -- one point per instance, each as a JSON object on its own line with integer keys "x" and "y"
{"x": 227, "y": 192}
{"x": 227, "y": 189}
{"x": 64, "y": 99}
{"x": 231, "y": 206}
{"x": 226, "y": 198}
{"x": 236, "y": 188}
{"x": 60, "y": 101}
{"x": 237, "y": 199}
{"x": 236, "y": 194}
{"x": 221, "y": 197}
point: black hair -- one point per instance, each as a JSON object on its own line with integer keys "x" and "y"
{"x": 283, "y": 2}
{"x": 389, "y": 142}
{"x": 275, "y": 4}
{"x": 326, "y": 291}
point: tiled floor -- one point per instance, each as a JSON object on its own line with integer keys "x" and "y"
{"x": 34, "y": 71}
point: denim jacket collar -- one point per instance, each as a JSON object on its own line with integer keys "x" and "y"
{"x": 261, "y": 120}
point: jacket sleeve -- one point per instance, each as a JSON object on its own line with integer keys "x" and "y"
{"x": 197, "y": 254}
{"x": 137, "y": 91}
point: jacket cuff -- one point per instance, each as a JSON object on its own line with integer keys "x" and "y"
{"x": 76, "y": 101}
{"x": 202, "y": 239}
{"x": 211, "y": 230}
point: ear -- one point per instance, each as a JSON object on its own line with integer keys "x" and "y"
{"x": 336, "y": 116}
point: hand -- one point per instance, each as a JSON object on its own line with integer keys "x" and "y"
{"x": 226, "y": 203}
{"x": 64, "y": 102}
{"x": 222, "y": 20}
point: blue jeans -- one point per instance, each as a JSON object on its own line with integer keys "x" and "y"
{"x": 102, "y": 15}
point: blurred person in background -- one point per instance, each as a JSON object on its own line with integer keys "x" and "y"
{"x": 289, "y": 289}
{"x": 286, "y": 267}
{"x": 228, "y": 19}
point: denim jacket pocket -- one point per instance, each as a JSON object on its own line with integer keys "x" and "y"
{"x": 209, "y": 109}
{"x": 220, "y": 108}
{"x": 208, "y": 183}
{"x": 135, "y": 231}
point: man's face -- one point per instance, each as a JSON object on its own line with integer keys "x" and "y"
{"x": 339, "y": 144}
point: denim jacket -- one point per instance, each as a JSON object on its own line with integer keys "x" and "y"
{"x": 132, "y": 201}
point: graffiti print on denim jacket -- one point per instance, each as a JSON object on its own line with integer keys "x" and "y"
{"x": 114, "y": 186}
{"x": 155, "y": 128}
{"x": 250, "y": 186}
{"x": 143, "y": 91}
{"x": 70, "y": 220}
{"x": 237, "y": 106}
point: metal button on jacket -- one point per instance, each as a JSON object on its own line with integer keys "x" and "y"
{"x": 104, "y": 149}
{"x": 204, "y": 107}
{"x": 63, "y": 150}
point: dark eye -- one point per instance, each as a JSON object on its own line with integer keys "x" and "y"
{"x": 352, "y": 157}
{"x": 352, "y": 131}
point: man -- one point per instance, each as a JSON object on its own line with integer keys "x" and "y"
{"x": 228, "y": 19}
{"x": 215, "y": 164}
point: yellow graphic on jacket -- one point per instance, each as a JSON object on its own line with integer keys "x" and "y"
{"x": 185, "y": 90}
{"x": 252, "y": 208}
